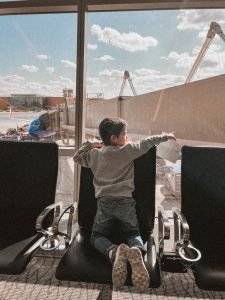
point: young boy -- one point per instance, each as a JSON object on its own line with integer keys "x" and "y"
{"x": 113, "y": 169}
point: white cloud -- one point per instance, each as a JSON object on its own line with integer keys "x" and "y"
{"x": 182, "y": 60}
{"x": 92, "y": 46}
{"x": 144, "y": 80}
{"x": 110, "y": 82}
{"x": 105, "y": 58}
{"x": 203, "y": 34}
{"x": 93, "y": 81}
{"x": 111, "y": 73}
{"x": 130, "y": 41}
{"x": 50, "y": 70}
{"x": 199, "y": 19}
{"x": 212, "y": 63}
{"x": 213, "y": 58}
{"x": 43, "y": 56}
{"x": 68, "y": 64}
{"x": 13, "y": 84}
{"x": 29, "y": 68}
{"x": 66, "y": 80}
{"x": 94, "y": 85}
{"x": 12, "y": 78}
{"x": 146, "y": 72}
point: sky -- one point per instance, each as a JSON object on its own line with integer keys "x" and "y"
{"x": 158, "y": 48}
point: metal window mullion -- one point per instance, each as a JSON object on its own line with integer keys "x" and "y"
{"x": 80, "y": 87}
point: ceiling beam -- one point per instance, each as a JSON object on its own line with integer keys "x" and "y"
{"x": 37, "y": 6}
{"x": 120, "y": 5}
{"x": 57, "y": 6}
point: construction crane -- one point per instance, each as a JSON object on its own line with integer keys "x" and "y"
{"x": 126, "y": 77}
{"x": 213, "y": 30}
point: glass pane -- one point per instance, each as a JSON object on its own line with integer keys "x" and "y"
{"x": 37, "y": 85}
{"x": 38, "y": 65}
{"x": 162, "y": 72}
{"x": 65, "y": 183}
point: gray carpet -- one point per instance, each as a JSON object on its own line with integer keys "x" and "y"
{"x": 39, "y": 282}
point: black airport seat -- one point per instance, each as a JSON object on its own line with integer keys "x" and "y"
{"x": 81, "y": 261}
{"x": 203, "y": 205}
{"x": 28, "y": 175}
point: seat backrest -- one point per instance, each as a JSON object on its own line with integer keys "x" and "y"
{"x": 144, "y": 194}
{"x": 203, "y": 197}
{"x": 28, "y": 175}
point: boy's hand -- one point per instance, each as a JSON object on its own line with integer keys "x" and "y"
{"x": 171, "y": 136}
{"x": 97, "y": 144}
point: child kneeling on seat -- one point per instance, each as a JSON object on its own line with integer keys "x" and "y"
{"x": 112, "y": 164}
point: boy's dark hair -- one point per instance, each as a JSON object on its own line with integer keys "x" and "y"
{"x": 109, "y": 127}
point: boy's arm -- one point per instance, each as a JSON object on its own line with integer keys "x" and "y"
{"x": 136, "y": 149}
{"x": 171, "y": 136}
{"x": 82, "y": 156}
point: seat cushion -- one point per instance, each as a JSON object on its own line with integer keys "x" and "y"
{"x": 14, "y": 258}
{"x": 82, "y": 262}
{"x": 28, "y": 176}
{"x": 210, "y": 274}
{"x": 203, "y": 204}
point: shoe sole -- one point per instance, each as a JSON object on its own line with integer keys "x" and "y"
{"x": 119, "y": 271}
{"x": 140, "y": 276}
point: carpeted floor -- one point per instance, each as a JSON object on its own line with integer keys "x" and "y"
{"x": 38, "y": 282}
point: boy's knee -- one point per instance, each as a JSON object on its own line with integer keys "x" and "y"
{"x": 95, "y": 238}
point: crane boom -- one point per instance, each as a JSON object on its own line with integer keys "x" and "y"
{"x": 126, "y": 77}
{"x": 213, "y": 30}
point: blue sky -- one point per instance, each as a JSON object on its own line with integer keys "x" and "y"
{"x": 158, "y": 48}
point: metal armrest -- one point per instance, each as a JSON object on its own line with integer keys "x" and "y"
{"x": 181, "y": 227}
{"x": 163, "y": 229}
{"x": 52, "y": 234}
{"x": 182, "y": 243}
{"x": 56, "y": 207}
{"x": 57, "y": 219}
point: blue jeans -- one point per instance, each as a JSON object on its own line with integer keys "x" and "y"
{"x": 109, "y": 210}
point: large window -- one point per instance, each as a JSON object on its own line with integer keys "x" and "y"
{"x": 158, "y": 48}
{"x": 37, "y": 77}
{"x": 37, "y": 85}
{"x": 163, "y": 71}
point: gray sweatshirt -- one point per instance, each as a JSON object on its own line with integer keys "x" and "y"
{"x": 113, "y": 166}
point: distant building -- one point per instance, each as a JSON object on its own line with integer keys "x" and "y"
{"x": 4, "y": 103}
{"x": 31, "y": 101}
{"x": 53, "y": 102}
{"x": 68, "y": 93}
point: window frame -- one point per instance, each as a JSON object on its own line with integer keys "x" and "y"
{"x": 82, "y": 7}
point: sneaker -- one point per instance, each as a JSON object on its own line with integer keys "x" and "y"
{"x": 140, "y": 276}
{"x": 111, "y": 255}
{"x": 119, "y": 271}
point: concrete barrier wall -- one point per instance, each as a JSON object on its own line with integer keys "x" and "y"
{"x": 99, "y": 110}
{"x": 196, "y": 111}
